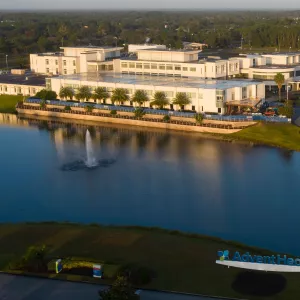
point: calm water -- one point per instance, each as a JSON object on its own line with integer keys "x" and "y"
{"x": 153, "y": 178}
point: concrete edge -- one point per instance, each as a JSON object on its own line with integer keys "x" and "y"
{"x": 108, "y": 285}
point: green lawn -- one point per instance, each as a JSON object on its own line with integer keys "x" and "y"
{"x": 280, "y": 135}
{"x": 181, "y": 262}
{"x": 8, "y": 103}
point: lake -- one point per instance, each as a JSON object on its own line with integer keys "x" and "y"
{"x": 150, "y": 178}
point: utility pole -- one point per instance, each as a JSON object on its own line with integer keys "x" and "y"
{"x": 6, "y": 62}
{"x": 242, "y": 42}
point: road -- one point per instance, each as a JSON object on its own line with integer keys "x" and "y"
{"x": 28, "y": 288}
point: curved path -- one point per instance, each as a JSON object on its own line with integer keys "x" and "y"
{"x": 28, "y": 288}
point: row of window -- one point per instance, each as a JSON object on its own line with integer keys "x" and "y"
{"x": 152, "y": 66}
{"x": 17, "y": 90}
{"x": 64, "y": 62}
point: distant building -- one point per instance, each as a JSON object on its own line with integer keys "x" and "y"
{"x": 134, "y": 48}
{"x": 177, "y": 63}
{"x": 194, "y": 46}
{"x": 74, "y": 60}
{"x": 25, "y": 84}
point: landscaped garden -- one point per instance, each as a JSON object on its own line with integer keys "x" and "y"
{"x": 152, "y": 258}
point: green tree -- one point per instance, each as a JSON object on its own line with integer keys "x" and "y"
{"x": 119, "y": 95}
{"x": 46, "y": 95}
{"x": 100, "y": 94}
{"x": 199, "y": 118}
{"x": 160, "y": 100}
{"x": 120, "y": 290}
{"x": 84, "y": 93}
{"x": 140, "y": 97}
{"x": 66, "y": 92}
{"x": 181, "y": 99}
{"x": 279, "y": 79}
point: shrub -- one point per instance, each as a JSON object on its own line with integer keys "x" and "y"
{"x": 139, "y": 113}
{"x": 113, "y": 112}
{"x": 166, "y": 118}
{"x": 199, "y": 118}
{"x": 67, "y": 108}
{"x": 89, "y": 108}
{"x": 286, "y": 110}
{"x": 137, "y": 275}
{"x": 43, "y": 104}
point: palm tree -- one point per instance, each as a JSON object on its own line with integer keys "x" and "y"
{"x": 199, "y": 118}
{"x": 100, "y": 94}
{"x": 84, "y": 93}
{"x": 279, "y": 79}
{"x": 119, "y": 95}
{"x": 140, "y": 97}
{"x": 160, "y": 100}
{"x": 66, "y": 92}
{"x": 181, "y": 99}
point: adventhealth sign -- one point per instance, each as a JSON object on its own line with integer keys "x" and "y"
{"x": 258, "y": 262}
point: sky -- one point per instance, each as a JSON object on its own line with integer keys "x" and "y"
{"x": 146, "y": 4}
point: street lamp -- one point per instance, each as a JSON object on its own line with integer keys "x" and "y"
{"x": 116, "y": 38}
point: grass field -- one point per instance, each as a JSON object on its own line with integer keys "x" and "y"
{"x": 8, "y": 103}
{"x": 181, "y": 262}
{"x": 280, "y": 135}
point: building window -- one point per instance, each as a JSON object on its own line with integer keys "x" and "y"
{"x": 65, "y": 62}
{"x": 124, "y": 65}
{"x": 65, "y": 71}
{"x": 233, "y": 96}
{"x": 15, "y": 89}
{"x": 244, "y": 92}
{"x": 193, "y": 107}
{"x": 193, "y": 69}
{"x": 74, "y": 63}
{"x": 146, "y": 66}
{"x": 177, "y": 68}
{"x": 169, "y": 67}
{"x": 219, "y": 110}
{"x": 74, "y": 71}
{"x": 19, "y": 91}
{"x": 162, "y": 67}
{"x": 56, "y": 70}
{"x": 131, "y": 103}
{"x": 47, "y": 61}
{"x": 56, "y": 62}
{"x": 139, "y": 65}
{"x": 47, "y": 70}
{"x": 33, "y": 91}
{"x": 154, "y": 66}
{"x": 184, "y": 69}
{"x": 132, "y": 65}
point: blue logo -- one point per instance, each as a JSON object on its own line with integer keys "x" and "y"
{"x": 271, "y": 259}
{"x": 223, "y": 255}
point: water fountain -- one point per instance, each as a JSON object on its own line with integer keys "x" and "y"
{"x": 91, "y": 161}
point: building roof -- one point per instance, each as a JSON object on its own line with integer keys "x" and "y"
{"x": 281, "y": 54}
{"x": 170, "y": 50}
{"x": 274, "y": 67}
{"x": 158, "y": 80}
{"x": 27, "y": 79}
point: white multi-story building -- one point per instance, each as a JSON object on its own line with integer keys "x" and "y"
{"x": 177, "y": 63}
{"x": 74, "y": 60}
{"x": 205, "y": 95}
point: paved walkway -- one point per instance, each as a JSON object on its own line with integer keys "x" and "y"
{"x": 28, "y": 288}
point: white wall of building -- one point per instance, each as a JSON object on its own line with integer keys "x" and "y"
{"x": 134, "y": 48}
{"x": 19, "y": 89}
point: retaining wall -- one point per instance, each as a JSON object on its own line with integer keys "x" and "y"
{"x": 126, "y": 121}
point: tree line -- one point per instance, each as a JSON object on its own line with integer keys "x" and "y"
{"x": 119, "y": 96}
{"x": 24, "y": 33}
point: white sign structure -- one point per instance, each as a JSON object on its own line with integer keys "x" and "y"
{"x": 271, "y": 263}
{"x": 258, "y": 266}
